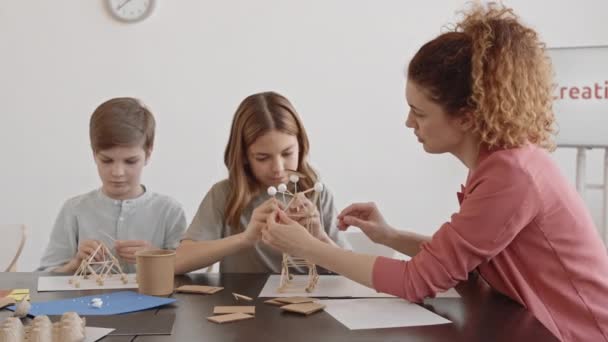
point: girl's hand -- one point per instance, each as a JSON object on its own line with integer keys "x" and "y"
{"x": 258, "y": 220}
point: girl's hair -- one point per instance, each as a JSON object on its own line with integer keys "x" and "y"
{"x": 257, "y": 115}
{"x": 122, "y": 121}
{"x": 495, "y": 69}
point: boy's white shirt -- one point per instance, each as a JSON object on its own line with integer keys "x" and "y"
{"x": 153, "y": 217}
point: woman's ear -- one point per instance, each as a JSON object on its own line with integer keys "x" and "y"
{"x": 465, "y": 121}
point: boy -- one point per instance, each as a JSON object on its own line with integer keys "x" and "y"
{"x": 123, "y": 213}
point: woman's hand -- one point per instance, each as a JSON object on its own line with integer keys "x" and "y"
{"x": 368, "y": 218}
{"x": 303, "y": 211}
{"x": 287, "y": 235}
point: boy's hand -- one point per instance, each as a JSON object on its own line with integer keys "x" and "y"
{"x": 126, "y": 249}
{"x": 86, "y": 248}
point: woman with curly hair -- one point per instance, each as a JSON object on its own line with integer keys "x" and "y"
{"x": 482, "y": 92}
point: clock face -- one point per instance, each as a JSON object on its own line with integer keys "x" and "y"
{"x": 131, "y": 10}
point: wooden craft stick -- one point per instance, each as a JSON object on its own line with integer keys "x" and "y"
{"x": 303, "y": 308}
{"x": 108, "y": 235}
{"x": 239, "y": 316}
{"x": 274, "y": 302}
{"x": 234, "y": 309}
{"x": 289, "y": 204}
{"x": 240, "y": 296}
{"x": 307, "y": 191}
{"x": 199, "y": 289}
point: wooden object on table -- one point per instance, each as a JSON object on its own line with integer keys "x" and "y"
{"x": 239, "y": 316}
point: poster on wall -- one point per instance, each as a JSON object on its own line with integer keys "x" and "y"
{"x": 581, "y": 95}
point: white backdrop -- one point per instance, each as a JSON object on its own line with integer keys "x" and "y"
{"x": 341, "y": 62}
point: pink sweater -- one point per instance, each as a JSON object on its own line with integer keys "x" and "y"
{"x": 529, "y": 235}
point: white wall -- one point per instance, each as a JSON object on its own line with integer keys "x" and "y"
{"x": 341, "y": 62}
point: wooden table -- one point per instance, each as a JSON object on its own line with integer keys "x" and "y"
{"x": 480, "y": 315}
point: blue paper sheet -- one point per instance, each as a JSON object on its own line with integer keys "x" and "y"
{"x": 113, "y": 303}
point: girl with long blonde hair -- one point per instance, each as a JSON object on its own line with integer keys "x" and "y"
{"x": 267, "y": 143}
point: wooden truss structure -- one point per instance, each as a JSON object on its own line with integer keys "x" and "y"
{"x": 100, "y": 270}
{"x": 288, "y": 282}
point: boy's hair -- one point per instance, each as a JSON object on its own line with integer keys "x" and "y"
{"x": 122, "y": 121}
{"x": 494, "y": 68}
{"x": 256, "y": 115}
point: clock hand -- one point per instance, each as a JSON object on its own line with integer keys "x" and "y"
{"x": 122, "y": 5}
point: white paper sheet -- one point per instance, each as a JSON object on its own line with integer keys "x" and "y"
{"x": 331, "y": 286}
{"x": 451, "y": 293}
{"x": 377, "y": 313}
{"x": 94, "y": 334}
{"x": 60, "y": 283}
